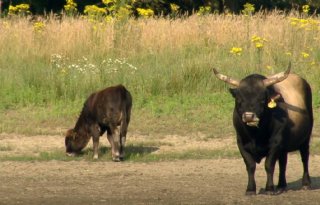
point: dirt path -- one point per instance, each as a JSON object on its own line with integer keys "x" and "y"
{"x": 182, "y": 182}
{"x": 216, "y": 181}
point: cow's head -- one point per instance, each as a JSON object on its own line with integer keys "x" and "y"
{"x": 75, "y": 142}
{"x": 252, "y": 95}
{"x": 70, "y": 142}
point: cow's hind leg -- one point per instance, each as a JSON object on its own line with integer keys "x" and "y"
{"x": 282, "y": 184}
{"x": 123, "y": 135}
{"x": 304, "y": 152}
{"x": 114, "y": 140}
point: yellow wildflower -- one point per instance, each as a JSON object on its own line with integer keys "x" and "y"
{"x": 174, "y": 7}
{"x": 236, "y": 50}
{"x": 21, "y": 9}
{"x": 248, "y": 9}
{"x": 145, "y": 12}
{"x": 38, "y": 26}
{"x": 259, "y": 45}
{"x": 94, "y": 11}
{"x": 305, "y": 55}
{"x": 106, "y": 2}
{"x": 258, "y": 41}
{"x": 70, "y": 7}
{"x": 204, "y": 10}
{"x": 269, "y": 67}
{"x": 305, "y": 9}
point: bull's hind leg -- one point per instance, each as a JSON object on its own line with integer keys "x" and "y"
{"x": 304, "y": 152}
{"x": 282, "y": 184}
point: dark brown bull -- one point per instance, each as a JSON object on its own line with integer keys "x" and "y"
{"x": 107, "y": 110}
{"x": 272, "y": 116}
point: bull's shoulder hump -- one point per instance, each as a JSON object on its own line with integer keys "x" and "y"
{"x": 293, "y": 90}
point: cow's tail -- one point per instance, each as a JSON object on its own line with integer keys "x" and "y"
{"x": 126, "y": 114}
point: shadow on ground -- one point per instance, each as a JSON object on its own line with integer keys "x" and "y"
{"x": 131, "y": 151}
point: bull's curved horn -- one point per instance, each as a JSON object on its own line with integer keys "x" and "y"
{"x": 277, "y": 77}
{"x": 225, "y": 78}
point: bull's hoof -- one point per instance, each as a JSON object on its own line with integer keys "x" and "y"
{"x": 250, "y": 193}
{"x": 306, "y": 187}
{"x": 269, "y": 192}
{"x": 280, "y": 190}
{"x": 95, "y": 157}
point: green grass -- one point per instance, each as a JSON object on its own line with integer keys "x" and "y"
{"x": 166, "y": 65}
{"x": 134, "y": 153}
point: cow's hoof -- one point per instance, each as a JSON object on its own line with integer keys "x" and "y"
{"x": 116, "y": 159}
{"x": 95, "y": 157}
{"x": 70, "y": 154}
{"x": 250, "y": 193}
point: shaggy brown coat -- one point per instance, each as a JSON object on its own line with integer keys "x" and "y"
{"x": 107, "y": 110}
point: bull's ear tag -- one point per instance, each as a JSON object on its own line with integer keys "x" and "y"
{"x": 272, "y": 104}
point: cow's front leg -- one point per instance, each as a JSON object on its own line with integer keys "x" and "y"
{"x": 95, "y": 140}
{"x": 95, "y": 131}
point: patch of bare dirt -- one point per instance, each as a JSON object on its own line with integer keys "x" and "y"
{"x": 221, "y": 181}
{"x": 216, "y": 181}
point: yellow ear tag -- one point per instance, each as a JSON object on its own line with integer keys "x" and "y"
{"x": 272, "y": 104}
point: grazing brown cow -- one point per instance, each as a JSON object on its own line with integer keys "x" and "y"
{"x": 107, "y": 110}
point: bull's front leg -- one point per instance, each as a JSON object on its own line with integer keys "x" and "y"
{"x": 251, "y": 168}
{"x": 269, "y": 167}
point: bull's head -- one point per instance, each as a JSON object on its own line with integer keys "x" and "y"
{"x": 251, "y": 94}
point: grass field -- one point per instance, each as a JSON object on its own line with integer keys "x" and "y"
{"x": 48, "y": 69}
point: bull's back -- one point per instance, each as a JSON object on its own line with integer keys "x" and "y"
{"x": 297, "y": 96}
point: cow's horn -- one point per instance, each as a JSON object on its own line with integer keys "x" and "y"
{"x": 277, "y": 77}
{"x": 225, "y": 78}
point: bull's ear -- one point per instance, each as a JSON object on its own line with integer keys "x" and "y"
{"x": 233, "y": 92}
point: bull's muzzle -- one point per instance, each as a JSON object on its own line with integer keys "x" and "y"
{"x": 250, "y": 119}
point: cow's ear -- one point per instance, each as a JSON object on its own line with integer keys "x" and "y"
{"x": 233, "y": 92}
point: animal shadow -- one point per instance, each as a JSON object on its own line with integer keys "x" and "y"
{"x": 297, "y": 185}
{"x": 132, "y": 151}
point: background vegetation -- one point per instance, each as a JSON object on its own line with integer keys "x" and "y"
{"x": 49, "y": 66}
{"x": 162, "y": 7}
